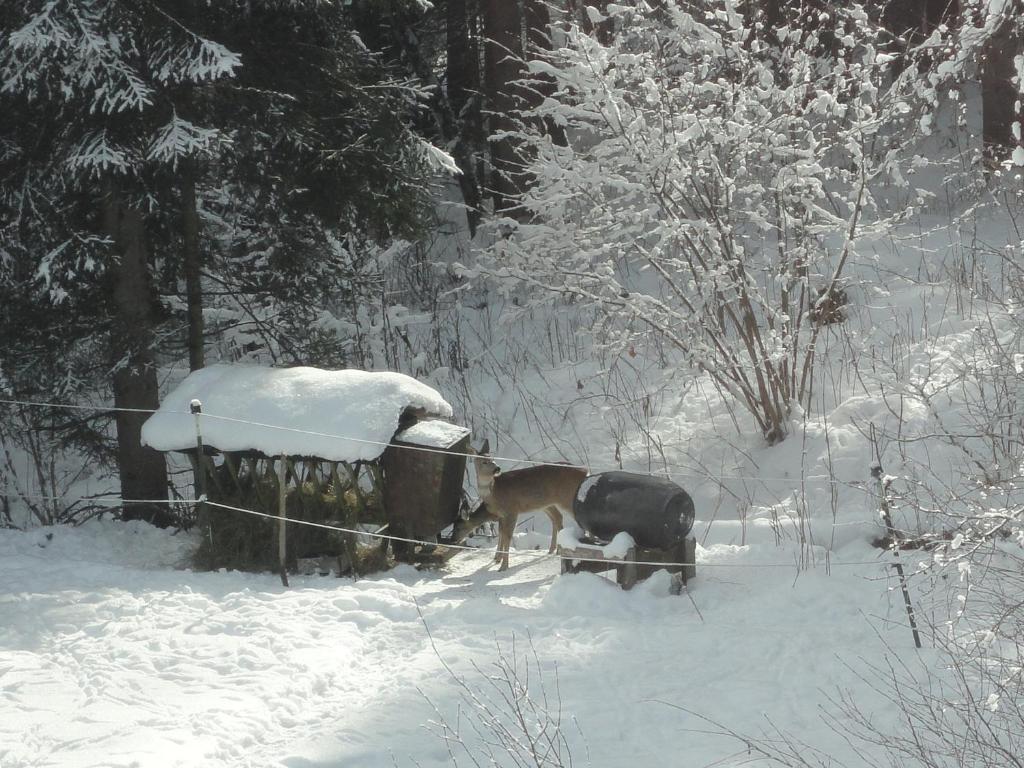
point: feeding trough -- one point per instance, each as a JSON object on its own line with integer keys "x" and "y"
{"x": 655, "y": 512}
{"x": 336, "y": 448}
{"x": 423, "y": 471}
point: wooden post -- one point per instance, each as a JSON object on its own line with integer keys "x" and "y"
{"x": 202, "y": 512}
{"x": 568, "y": 566}
{"x": 349, "y": 517}
{"x": 689, "y": 550}
{"x": 883, "y": 491}
{"x": 628, "y": 574}
{"x": 233, "y": 470}
{"x": 282, "y": 546}
{"x": 255, "y": 476}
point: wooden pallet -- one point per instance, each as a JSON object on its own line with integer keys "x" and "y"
{"x": 588, "y": 557}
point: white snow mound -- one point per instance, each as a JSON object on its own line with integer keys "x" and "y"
{"x": 348, "y": 415}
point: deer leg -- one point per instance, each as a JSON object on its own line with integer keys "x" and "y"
{"x": 506, "y": 527}
{"x": 555, "y": 516}
{"x": 501, "y": 540}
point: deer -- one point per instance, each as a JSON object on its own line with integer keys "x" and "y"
{"x": 505, "y": 496}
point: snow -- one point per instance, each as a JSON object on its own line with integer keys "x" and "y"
{"x": 588, "y": 482}
{"x": 98, "y": 153}
{"x": 616, "y": 549}
{"x": 619, "y": 546}
{"x": 438, "y": 159}
{"x": 344, "y": 415}
{"x": 432, "y": 433}
{"x": 179, "y": 139}
{"x": 113, "y": 653}
{"x": 110, "y": 655}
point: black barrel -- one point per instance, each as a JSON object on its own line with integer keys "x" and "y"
{"x": 656, "y": 512}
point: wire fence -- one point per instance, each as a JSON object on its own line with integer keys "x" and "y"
{"x": 529, "y": 554}
{"x": 119, "y": 501}
{"x": 670, "y": 470}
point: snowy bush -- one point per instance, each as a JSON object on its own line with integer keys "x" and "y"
{"x": 713, "y": 187}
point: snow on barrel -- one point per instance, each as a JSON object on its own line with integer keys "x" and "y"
{"x": 656, "y": 512}
{"x": 347, "y": 415}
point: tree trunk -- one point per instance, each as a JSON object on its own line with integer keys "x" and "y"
{"x": 192, "y": 266}
{"x": 604, "y": 31}
{"x": 191, "y": 258}
{"x": 143, "y": 471}
{"x": 502, "y": 53}
{"x": 998, "y": 94}
{"x": 772, "y": 10}
{"x": 538, "y": 36}
{"x": 914, "y": 20}
{"x": 462, "y": 74}
{"x": 463, "y": 85}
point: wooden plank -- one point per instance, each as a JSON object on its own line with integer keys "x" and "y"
{"x": 347, "y": 516}
{"x": 590, "y": 553}
{"x": 282, "y": 494}
{"x": 628, "y": 573}
{"x": 339, "y": 491}
{"x": 312, "y": 466}
{"x": 353, "y": 478}
{"x": 254, "y": 480}
{"x": 233, "y": 470}
{"x": 689, "y": 571}
{"x": 290, "y": 464}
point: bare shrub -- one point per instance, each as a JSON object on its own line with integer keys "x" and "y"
{"x": 510, "y": 714}
{"x": 37, "y": 469}
{"x": 710, "y": 195}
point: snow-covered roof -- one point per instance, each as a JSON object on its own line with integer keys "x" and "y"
{"x": 345, "y": 415}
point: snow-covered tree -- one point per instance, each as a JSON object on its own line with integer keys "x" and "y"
{"x": 322, "y": 169}
{"x": 713, "y": 189}
{"x": 89, "y": 82}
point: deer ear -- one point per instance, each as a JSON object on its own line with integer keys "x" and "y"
{"x": 485, "y": 449}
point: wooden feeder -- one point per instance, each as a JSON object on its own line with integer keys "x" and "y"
{"x": 423, "y": 471}
{"x": 332, "y": 448}
{"x": 333, "y": 493}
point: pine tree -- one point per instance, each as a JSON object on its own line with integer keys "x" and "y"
{"x": 89, "y": 81}
{"x": 322, "y": 167}
{"x": 157, "y": 143}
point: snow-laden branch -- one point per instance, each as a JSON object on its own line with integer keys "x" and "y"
{"x": 179, "y": 139}
{"x": 713, "y": 187}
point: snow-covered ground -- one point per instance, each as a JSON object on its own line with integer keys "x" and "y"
{"x": 114, "y": 653}
{"x": 111, "y": 655}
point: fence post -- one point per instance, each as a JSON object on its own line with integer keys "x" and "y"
{"x": 202, "y": 511}
{"x": 884, "y": 482}
{"x": 282, "y": 546}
